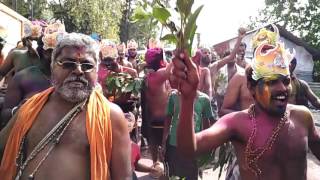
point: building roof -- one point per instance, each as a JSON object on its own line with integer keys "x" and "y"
{"x": 283, "y": 33}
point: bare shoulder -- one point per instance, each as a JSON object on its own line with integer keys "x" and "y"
{"x": 238, "y": 78}
{"x": 233, "y": 119}
{"x": 300, "y": 114}
{"x": 116, "y": 114}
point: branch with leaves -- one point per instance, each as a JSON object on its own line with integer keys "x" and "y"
{"x": 182, "y": 35}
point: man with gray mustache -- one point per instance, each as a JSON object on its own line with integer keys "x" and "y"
{"x": 69, "y": 131}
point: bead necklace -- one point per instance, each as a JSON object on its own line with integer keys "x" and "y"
{"x": 53, "y": 136}
{"x": 252, "y": 155}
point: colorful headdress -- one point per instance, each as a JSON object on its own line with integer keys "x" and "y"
{"x": 53, "y": 34}
{"x": 151, "y": 54}
{"x": 108, "y": 49}
{"x": 271, "y": 59}
{"x": 121, "y": 48}
{"x": 153, "y": 43}
{"x": 266, "y": 36}
{"x": 132, "y": 44}
{"x": 34, "y": 29}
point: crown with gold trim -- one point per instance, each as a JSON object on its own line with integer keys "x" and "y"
{"x": 108, "y": 48}
{"x": 53, "y": 33}
{"x": 270, "y": 57}
{"x": 132, "y": 44}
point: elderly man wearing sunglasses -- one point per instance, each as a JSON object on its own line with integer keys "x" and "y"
{"x": 69, "y": 131}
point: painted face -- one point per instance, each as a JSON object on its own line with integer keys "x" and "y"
{"x": 74, "y": 74}
{"x": 132, "y": 53}
{"x": 272, "y": 95}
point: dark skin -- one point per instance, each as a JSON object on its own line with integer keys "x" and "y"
{"x": 26, "y": 83}
{"x": 237, "y": 93}
{"x": 287, "y": 158}
{"x": 19, "y": 59}
{"x": 70, "y": 159}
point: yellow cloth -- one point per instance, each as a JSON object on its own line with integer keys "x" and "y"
{"x": 98, "y": 126}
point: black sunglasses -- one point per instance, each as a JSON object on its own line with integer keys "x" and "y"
{"x": 71, "y": 65}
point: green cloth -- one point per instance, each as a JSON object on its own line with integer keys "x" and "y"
{"x": 202, "y": 111}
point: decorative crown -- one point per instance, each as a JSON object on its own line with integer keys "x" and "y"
{"x": 153, "y": 43}
{"x": 108, "y": 49}
{"x": 266, "y": 36}
{"x": 270, "y": 61}
{"x": 53, "y": 33}
{"x": 34, "y": 29}
{"x": 132, "y": 44}
{"x": 121, "y": 48}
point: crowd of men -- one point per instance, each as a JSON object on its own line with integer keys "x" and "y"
{"x": 59, "y": 119}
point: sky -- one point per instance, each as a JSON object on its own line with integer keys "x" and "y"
{"x": 220, "y": 19}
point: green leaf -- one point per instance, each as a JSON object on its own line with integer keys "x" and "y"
{"x": 192, "y": 22}
{"x": 161, "y": 14}
{"x": 117, "y": 82}
{"x": 129, "y": 87}
{"x": 170, "y": 38}
{"x": 140, "y": 14}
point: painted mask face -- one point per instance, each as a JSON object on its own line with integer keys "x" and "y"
{"x": 74, "y": 74}
{"x": 272, "y": 94}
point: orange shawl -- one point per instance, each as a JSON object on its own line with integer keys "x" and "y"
{"x": 98, "y": 126}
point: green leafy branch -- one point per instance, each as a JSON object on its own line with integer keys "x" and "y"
{"x": 118, "y": 84}
{"x": 182, "y": 35}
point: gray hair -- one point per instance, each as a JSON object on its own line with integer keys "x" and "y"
{"x": 76, "y": 40}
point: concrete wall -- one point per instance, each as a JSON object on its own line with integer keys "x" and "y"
{"x": 14, "y": 24}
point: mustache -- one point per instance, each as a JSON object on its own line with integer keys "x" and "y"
{"x": 76, "y": 79}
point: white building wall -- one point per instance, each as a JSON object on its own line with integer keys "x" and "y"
{"x": 304, "y": 58}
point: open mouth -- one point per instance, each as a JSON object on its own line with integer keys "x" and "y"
{"x": 280, "y": 99}
{"x": 76, "y": 84}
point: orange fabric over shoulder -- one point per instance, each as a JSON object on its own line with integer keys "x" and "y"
{"x": 98, "y": 126}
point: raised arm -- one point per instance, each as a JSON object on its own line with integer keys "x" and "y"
{"x": 231, "y": 96}
{"x": 314, "y": 100}
{"x": 188, "y": 143}
{"x": 233, "y": 53}
{"x": 121, "y": 146}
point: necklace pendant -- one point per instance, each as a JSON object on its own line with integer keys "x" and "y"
{"x": 31, "y": 177}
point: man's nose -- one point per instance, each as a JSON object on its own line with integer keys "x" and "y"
{"x": 78, "y": 69}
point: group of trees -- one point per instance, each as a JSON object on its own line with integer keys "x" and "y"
{"x": 99, "y": 16}
{"x": 113, "y": 19}
{"x": 299, "y": 16}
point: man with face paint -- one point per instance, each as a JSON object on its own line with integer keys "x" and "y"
{"x": 121, "y": 59}
{"x": 35, "y": 78}
{"x": 132, "y": 54}
{"x": 271, "y": 138}
{"x": 69, "y": 131}
{"x": 19, "y": 59}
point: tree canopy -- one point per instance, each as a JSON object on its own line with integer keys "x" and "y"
{"x": 302, "y": 17}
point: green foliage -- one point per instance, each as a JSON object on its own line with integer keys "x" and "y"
{"x": 183, "y": 35}
{"x": 100, "y": 16}
{"x": 296, "y": 16}
{"x": 40, "y": 9}
{"x": 136, "y": 23}
{"x": 121, "y": 83}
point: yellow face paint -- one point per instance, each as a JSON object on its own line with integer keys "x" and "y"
{"x": 263, "y": 95}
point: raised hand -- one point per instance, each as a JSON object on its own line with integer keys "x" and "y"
{"x": 185, "y": 75}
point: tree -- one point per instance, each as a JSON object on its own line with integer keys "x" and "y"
{"x": 100, "y": 16}
{"x": 296, "y": 16}
{"x": 141, "y": 30}
{"x": 31, "y": 9}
